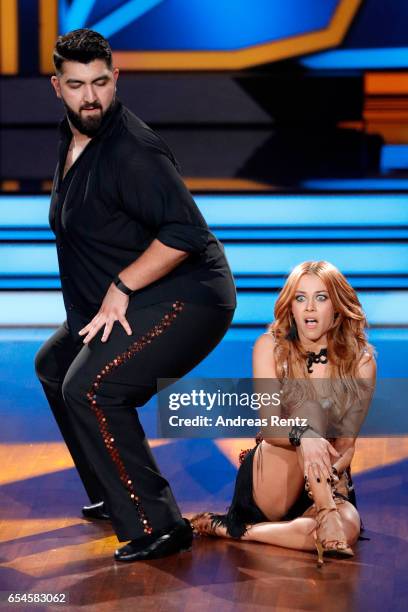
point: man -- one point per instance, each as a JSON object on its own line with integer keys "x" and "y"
{"x": 147, "y": 290}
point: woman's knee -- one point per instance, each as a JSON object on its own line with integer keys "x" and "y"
{"x": 351, "y": 522}
{"x": 352, "y": 530}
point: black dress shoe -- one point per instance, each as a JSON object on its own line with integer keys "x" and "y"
{"x": 96, "y": 511}
{"x": 176, "y": 539}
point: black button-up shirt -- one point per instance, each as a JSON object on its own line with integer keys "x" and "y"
{"x": 122, "y": 192}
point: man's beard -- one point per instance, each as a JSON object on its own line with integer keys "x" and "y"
{"x": 88, "y": 125}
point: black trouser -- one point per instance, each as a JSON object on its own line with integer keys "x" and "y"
{"x": 93, "y": 390}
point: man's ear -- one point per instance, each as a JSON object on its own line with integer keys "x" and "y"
{"x": 56, "y": 85}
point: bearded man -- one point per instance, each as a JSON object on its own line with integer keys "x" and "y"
{"x": 147, "y": 290}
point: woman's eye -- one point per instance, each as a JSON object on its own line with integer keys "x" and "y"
{"x": 300, "y": 298}
{"x": 321, "y": 298}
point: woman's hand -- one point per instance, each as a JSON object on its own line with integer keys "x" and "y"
{"x": 315, "y": 453}
{"x": 113, "y": 308}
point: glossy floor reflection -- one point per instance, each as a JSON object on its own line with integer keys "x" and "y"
{"x": 46, "y": 547}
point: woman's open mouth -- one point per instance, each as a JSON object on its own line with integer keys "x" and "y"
{"x": 311, "y": 323}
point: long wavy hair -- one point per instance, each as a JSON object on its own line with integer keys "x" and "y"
{"x": 346, "y": 339}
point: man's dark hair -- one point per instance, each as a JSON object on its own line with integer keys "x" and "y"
{"x": 81, "y": 46}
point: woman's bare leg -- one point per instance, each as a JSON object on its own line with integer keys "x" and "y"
{"x": 296, "y": 534}
{"x": 299, "y": 533}
{"x": 277, "y": 480}
{"x": 277, "y": 483}
{"x": 278, "y": 477}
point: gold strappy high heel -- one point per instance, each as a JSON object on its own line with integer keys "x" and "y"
{"x": 330, "y": 538}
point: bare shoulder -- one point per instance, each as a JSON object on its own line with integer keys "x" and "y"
{"x": 263, "y": 356}
{"x": 265, "y": 343}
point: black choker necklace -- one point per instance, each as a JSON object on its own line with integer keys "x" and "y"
{"x": 316, "y": 358}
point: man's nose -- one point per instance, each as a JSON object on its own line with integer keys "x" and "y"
{"x": 90, "y": 95}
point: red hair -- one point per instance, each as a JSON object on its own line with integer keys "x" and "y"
{"x": 346, "y": 339}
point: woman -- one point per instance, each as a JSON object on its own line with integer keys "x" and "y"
{"x": 317, "y": 342}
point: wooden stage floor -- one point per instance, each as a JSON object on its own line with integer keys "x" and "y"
{"x": 45, "y": 547}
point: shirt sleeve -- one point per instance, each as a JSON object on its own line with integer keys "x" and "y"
{"x": 153, "y": 192}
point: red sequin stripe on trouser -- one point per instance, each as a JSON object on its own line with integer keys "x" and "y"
{"x": 108, "y": 438}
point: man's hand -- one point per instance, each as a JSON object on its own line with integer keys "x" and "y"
{"x": 113, "y": 309}
{"x": 315, "y": 451}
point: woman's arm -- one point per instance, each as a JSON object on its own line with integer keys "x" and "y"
{"x": 266, "y": 381}
{"x": 313, "y": 449}
{"x": 367, "y": 371}
{"x": 264, "y": 369}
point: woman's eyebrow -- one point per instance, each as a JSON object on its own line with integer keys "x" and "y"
{"x": 320, "y": 291}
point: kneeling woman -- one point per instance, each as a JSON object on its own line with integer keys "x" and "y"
{"x": 294, "y": 488}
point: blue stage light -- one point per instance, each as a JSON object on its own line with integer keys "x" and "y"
{"x": 192, "y": 25}
{"x": 303, "y": 210}
{"x": 381, "y": 307}
{"x": 362, "y": 59}
{"x": 394, "y": 157}
{"x": 351, "y": 258}
{"x": 374, "y": 184}
{"x": 24, "y": 211}
{"x": 46, "y": 308}
{"x": 235, "y": 211}
{"x": 123, "y": 16}
{"x": 234, "y": 334}
{"x": 75, "y": 15}
{"x": 350, "y": 218}
{"x": 28, "y": 259}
